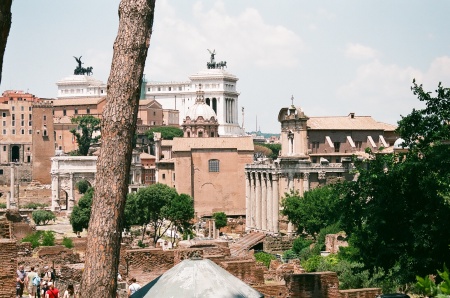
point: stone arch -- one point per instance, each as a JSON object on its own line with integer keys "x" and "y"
{"x": 63, "y": 199}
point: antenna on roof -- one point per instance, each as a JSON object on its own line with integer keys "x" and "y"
{"x": 292, "y": 100}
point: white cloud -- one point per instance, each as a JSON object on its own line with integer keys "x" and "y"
{"x": 246, "y": 39}
{"x": 360, "y": 52}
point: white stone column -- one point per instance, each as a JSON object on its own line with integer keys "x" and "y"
{"x": 71, "y": 198}
{"x": 258, "y": 200}
{"x": 248, "y": 202}
{"x": 215, "y": 233}
{"x": 253, "y": 200}
{"x": 264, "y": 201}
{"x": 275, "y": 201}
{"x": 209, "y": 229}
{"x": 55, "y": 192}
{"x": 305, "y": 182}
{"x": 12, "y": 185}
{"x": 269, "y": 203}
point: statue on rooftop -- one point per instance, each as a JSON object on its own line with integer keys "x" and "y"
{"x": 79, "y": 70}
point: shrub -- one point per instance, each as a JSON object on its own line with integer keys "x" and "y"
{"x": 141, "y": 244}
{"x": 82, "y": 186}
{"x": 48, "y": 238}
{"x": 42, "y": 217}
{"x": 264, "y": 258}
{"x": 2, "y": 206}
{"x": 40, "y": 238}
{"x": 221, "y": 219}
{"x": 67, "y": 242}
{"x": 32, "y": 205}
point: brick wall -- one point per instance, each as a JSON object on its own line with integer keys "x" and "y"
{"x": 316, "y": 284}
{"x": 360, "y": 293}
{"x": 5, "y": 229}
{"x": 21, "y": 229}
{"x": 8, "y": 265}
{"x": 272, "y": 290}
{"x": 277, "y": 244}
{"x": 58, "y": 255}
{"x": 246, "y": 270}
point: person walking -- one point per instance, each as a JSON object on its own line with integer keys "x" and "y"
{"x": 33, "y": 282}
{"x": 21, "y": 281}
{"x": 70, "y": 292}
{"x": 133, "y": 287}
{"x": 52, "y": 292}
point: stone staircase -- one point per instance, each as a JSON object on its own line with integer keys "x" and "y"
{"x": 241, "y": 247}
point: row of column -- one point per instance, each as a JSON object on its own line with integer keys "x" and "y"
{"x": 230, "y": 110}
{"x": 262, "y": 202}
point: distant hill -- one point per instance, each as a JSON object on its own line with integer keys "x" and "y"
{"x": 266, "y": 135}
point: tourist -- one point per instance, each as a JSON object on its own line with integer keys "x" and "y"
{"x": 21, "y": 281}
{"x": 33, "y": 282}
{"x": 133, "y": 287}
{"x": 51, "y": 292}
{"x": 49, "y": 274}
{"x": 70, "y": 292}
{"x": 44, "y": 286}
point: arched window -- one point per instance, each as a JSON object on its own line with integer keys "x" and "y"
{"x": 208, "y": 102}
{"x": 213, "y": 165}
{"x": 214, "y": 105}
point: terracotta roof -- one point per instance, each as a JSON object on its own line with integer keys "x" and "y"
{"x": 187, "y": 144}
{"x": 347, "y": 123}
{"x": 146, "y": 156}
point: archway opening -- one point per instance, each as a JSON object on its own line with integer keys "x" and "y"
{"x": 15, "y": 153}
{"x": 63, "y": 199}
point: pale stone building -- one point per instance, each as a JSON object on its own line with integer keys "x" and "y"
{"x": 315, "y": 151}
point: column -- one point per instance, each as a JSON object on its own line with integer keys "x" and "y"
{"x": 258, "y": 200}
{"x": 214, "y": 229}
{"x": 55, "y": 192}
{"x": 275, "y": 201}
{"x": 71, "y": 198}
{"x": 269, "y": 204}
{"x": 253, "y": 199}
{"x": 264, "y": 201}
{"x": 12, "y": 183}
{"x": 209, "y": 229}
{"x": 305, "y": 182}
{"x": 248, "y": 202}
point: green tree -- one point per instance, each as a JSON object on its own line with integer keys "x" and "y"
{"x": 221, "y": 219}
{"x": 88, "y": 125}
{"x": 262, "y": 151}
{"x": 148, "y": 206}
{"x": 317, "y": 209}
{"x": 81, "y": 213}
{"x": 179, "y": 211}
{"x": 275, "y": 148}
{"x": 82, "y": 186}
{"x": 167, "y": 132}
{"x": 42, "y": 217}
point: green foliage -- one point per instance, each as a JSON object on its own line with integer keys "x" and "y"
{"x": 82, "y": 186}
{"x": 261, "y": 151}
{"x": 2, "y": 205}
{"x": 81, "y": 213}
{"x": 396, "y": 213}
{"x": 167, "y": 132}
{"x": 289, "y": 255}
{"x": 32, "y": 205}
{"x": 317, "y": 209}
{"x": 220, "y": 219}
{"x": 300, "y": 244}
{"x": 67, "y": 242}
{"x": 40, "y": 238}
{"x": 147, "y": 206}
{"x": 264, "y": 258}
{"x": 42, "y": 217}
{"x": 141, "y": 244}
{"x": 274, "y": 148}
{"x": 311, "y": 264}
{"x": 179, "y": 211}
{"x": 88, "y": 125}
{"x": 427, "y": 286}
{"x": 48, "y": 238}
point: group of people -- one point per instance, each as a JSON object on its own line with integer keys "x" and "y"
{"x": 40, "y": 285}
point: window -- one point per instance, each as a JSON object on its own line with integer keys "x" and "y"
{"x": 13, "y": 123}
{"x": 30, "y": 131}
{"x": 13, "y": 108}
{"x": 337, "y": 145}
{"x": 200, "y": 134}
{"x": 1, "y": 171}
{"x": 22, "y": 116}
{"x": 213, "y": 165}
{"x": 4, "y": 123}
{"x": 3, "y": 114}
{"x": 164, "y": 176}
{"x": 4, "y": 148}
{"x": 358, "y": 145}
{"x": 13, "y": 132}
{"x": 29, "y": 117}
{"x": 22, "y": 123}
{"x": 29, "y": 109}
{"x": 170, "y": 88}
{"x": 76, "y": 111}
{"x": 64, "y": 112}
{"x": 22, "y": 131}
{"x": 45, "y": 117}
{"x": 13, "y": 116}
{"x": 4, "y": 131}
{"x": 88, "y": 111}
{"x": 29, "y": 123}
{"x": 159, "y": 88}
{"x": 21, "y": 108}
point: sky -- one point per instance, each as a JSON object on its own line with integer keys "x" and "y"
{"x": 333, "y": 57}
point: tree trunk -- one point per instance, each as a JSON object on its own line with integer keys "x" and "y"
{"x": 5, "y": 25}
{"x": 113, "y": 166}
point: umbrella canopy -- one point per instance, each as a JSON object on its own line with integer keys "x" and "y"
{"x": 197, "y": 279}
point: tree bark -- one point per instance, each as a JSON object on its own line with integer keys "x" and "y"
{"x": 113, "y": 166}
{"x": 5, "y": 26}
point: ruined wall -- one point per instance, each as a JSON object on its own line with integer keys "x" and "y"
{"x": 58, "y": 255}
{"x": 272, "y": 290}
{"x": 8, "y": 265}
{"x": 147, "y": 259}
{"x": 316, "y": 284}
{"x": 334, "y": 241}
{"x": 277, "y": 244}
{"x": 360, "y": 293}
{"x": 5, "y": 229}
{"x": 246, "y": 270}
{"x": 21, "y": 229}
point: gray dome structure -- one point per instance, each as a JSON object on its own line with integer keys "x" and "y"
{"x": 197, "y": 278}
